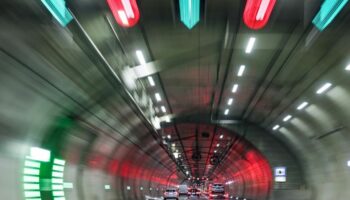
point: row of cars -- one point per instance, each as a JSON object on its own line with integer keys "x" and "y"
{"x": 215, "y": 191}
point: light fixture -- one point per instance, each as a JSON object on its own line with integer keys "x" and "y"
{"x": 151, "y": 81}
{"x": 158, "y": 98}
{"x": 176, "y": 155}
{"x": 59, "y": 11}
{"x": 125, "y": 12}
{"x": 189, "y": 12}
{"x": 221, "y": 136}
{"x": 173, "y": 144}
{"x": 39, "y": 154}
{"x": 107, "y": 187}
{"x": 218, "y": 144}
{"x": 276, "y": 127}
{"x": 229, "y": 102}
{"x": 241, "y": 70}
{"x": 257, "y": 13}
{"x": 187, "y": 172}
{"x": 324, "y": 88}
{"x": 250, "y": 45}
{"x": 328, "y": 11}
{"x": 348, "y": 163}
{"x": 287, "y": 118}
{"x": 215, "y": 151}
{"x": 128, "y": 187}
{"x": 234, "y": 88}
{"x": 226, "y": 111}
{"x": 302, "y": 105}
{"x": 163, "y": 109}
{"x": 169, "y": 136}
{"x": 140, "y": 57}
{"x": 141, "y": 188}
{"x": 347, "y": 68}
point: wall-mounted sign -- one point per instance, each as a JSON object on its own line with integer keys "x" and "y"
{"x": 280, "y": 174}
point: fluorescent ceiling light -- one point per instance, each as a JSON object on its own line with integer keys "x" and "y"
{"x": 229, "y": 102}
{"x": 169, "y": 136}
{"x": 158, "y": 98}
{"x": 227, "y": 111}
{"x": 234, "y": 88}
{"x": 187, "y": 172}
{"x": 189, "y": 12}
{"x": 324, "y": 88}
{"x": 241, "y": 70}
{"x": 176, "y": 155}
{"x": 128, "y": 9}
{"x": 140, "y": 57}
{"x": 107, "y": 187}
{"x": 215, "y": 151}
{"x": 262, "y": 9}
{"x": 302, "y": 105}
{"x": 151, "y": 81}
{"x": 347, "y": 68}
{"x": 250, "y": 45}
{"x": 163, "y": 109}
{"x": 218, "y": 144}
{"x": 221, "y": 136}
{"x": 288, "y": 117}
{"x": 329, "y": 10}
{"x": 123, "y": 17}
{"x": 348, "y": 163}
{"x": 276, "y": 127}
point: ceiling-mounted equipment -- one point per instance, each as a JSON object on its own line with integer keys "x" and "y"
{"x": 189, "y": 12}
{"x": 59, "y": 10}
{"x": 125, "y": 12}
{"x": 257, "y": 13}
{"x": 329, "y": 10}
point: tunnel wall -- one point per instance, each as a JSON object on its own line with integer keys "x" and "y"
{"x": 105, "y": 143}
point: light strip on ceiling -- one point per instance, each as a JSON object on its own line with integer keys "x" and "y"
{"x": 59, "y": 10}
{"x": 324, "y": 88}
{"x": 158, "y": 98}
{"x": 189, "y": 12}
{"x": 287, "y": 118}
{"x": 329, "y": 10}
{"x": 163, "y": 109}
{"x": 347, "y": 68}
{"x": 226, "y": 111}
{"x": 241, "y": 70}
{"x": 250, "y": 45}
{"x": 276, "y": 127}
{"x": 302, "y": 105}
{"x": 229, "y": 102}
{"x": 151, "y": 81}
{"x": 234, "y": 88}
{"x": 140, "y": 57}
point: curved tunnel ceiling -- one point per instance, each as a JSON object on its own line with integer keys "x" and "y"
{"x": 129, "y": 129}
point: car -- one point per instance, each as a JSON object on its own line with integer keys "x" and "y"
{"x": 194, "y": 192}
{"x": 217, "y": 191}
{"x": 171, "y": 193}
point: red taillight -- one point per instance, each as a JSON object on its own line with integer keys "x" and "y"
{"x": 125, "y": 12}
{"x": 257, "y": 13}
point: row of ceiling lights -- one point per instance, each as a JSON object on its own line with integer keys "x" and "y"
{"x": 242, "y": 68}
{"x": 324, "y": 88}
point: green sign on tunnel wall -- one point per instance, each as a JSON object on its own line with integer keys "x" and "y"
{"x": 43, "y": 176}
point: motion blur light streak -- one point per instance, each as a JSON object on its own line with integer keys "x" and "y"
{"x": 257, "y": 13}
{"x": 287, "y": 118}
{"x": 241, "y": 70}
{"x": 302, "y": 105}
{"x": 329, "y": 10}
{"x": 229, "y": 102}
{"x": 58, "y": 9}
{"x": 234, "y": 88}
{"x": 125, "y": 12}
{"x": 276, "y": 127}
{"x": 189, "y": 12}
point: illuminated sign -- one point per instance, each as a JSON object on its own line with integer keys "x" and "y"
{"x": 58, "y": 10}
{"x": 280, "y": 174}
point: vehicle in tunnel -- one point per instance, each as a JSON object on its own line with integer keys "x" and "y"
{"x": 171, "y": 193}
{"x": 183, "y": 190}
